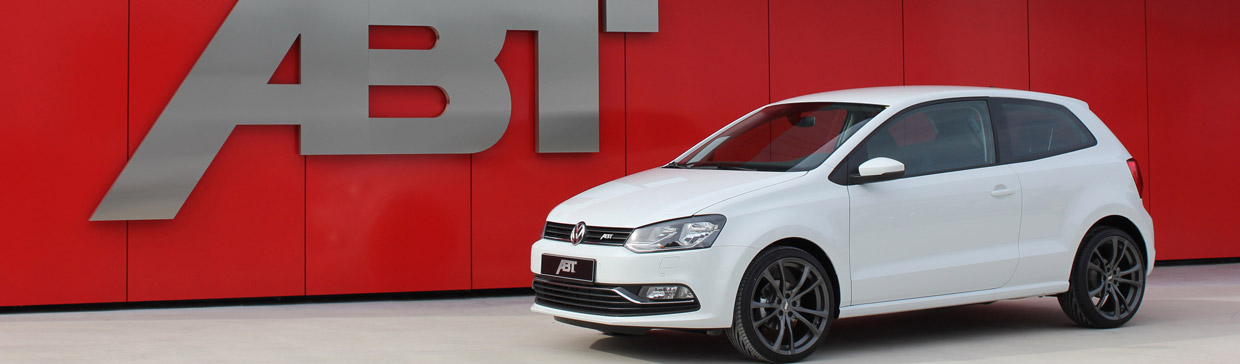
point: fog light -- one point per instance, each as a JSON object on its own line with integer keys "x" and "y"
{"x": 668, "y": 292}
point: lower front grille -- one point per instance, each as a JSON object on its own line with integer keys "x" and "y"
{"x": 605, "y": 300}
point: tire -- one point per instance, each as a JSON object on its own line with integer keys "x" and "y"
{"x": 784, "y": 306}
{"x": 1107, "y": 281}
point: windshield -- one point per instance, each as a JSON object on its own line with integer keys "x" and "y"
{"x": 782, "y": 138}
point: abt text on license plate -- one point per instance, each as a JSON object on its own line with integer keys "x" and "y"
{"x": 566, "y": 267}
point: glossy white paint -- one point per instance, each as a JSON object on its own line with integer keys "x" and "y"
{"x": 659, "y": 194}
{"x": 880, "y": 166}
{"x": 933, "y": 235}
{"x": 975, "y": 235}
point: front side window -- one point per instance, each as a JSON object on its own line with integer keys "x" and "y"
{"x": 936, "y": 138}
{"x": 1031, "y": 130}
{"x": 786, "y": 137}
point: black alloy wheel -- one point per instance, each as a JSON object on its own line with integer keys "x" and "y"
{"x": 784, "y": 306}
{"x": 1108, "y": 280}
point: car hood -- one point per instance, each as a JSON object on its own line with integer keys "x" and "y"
{"x": 661, "y": 194}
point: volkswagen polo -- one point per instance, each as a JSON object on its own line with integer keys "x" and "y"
{"x": 853, "y": 203}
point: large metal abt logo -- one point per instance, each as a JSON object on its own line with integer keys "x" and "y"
{"x": 228, "y": 85}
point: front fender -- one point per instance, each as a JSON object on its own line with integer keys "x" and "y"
{"x": 816, "y": 211}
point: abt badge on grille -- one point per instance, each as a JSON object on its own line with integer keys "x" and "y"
{"x": 579, "y": 233}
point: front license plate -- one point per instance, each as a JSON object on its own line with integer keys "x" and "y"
{"x": 565, "y": 267}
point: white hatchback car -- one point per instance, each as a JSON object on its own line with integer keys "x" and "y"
{"x": 852, "y": 203}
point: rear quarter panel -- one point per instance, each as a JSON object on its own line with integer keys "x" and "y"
{"x": 1065, "y": 195}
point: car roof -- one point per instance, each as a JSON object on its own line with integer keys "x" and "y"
{"x": 908, "y": 95}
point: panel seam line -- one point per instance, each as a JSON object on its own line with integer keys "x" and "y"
{"x": 128, "y": 92}
{"x": 1149, "y": 147}
{"x": 903, "y": 48}
{"x": 1028, "y": 46}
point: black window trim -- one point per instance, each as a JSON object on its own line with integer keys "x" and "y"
{"x": 842, "y": 174}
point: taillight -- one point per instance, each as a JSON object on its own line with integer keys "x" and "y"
{"x": 1136, "y": 175}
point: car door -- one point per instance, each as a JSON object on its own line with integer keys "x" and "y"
{"x": 950, "y": 224}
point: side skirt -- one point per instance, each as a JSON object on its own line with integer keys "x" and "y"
{"x": 955, "y": 299}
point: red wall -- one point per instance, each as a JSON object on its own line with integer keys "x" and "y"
{"x": 84, "y": 81}
{"x": 62, "y": 139}
{"x": 1193, "y": 49}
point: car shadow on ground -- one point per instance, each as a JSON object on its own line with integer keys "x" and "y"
{"x": 946, "y": 328}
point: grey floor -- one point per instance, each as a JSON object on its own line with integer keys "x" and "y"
{"x": 1191, "y": 314}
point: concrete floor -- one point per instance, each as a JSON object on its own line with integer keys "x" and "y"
{"x": 1190, "y": 314}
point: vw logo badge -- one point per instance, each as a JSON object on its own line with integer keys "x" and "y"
{"x": 579, "y": 233}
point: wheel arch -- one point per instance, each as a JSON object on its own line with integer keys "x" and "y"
{"x": 1077, "y": 302}
{"x": 819, "y": 254}
{"x": 1126, "y": 225}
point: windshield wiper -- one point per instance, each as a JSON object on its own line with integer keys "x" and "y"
{"x": 734, "y": 167}
{"x": 715, "y": 166}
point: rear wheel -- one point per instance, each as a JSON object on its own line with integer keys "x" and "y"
{"x": 1107, "y": 282}
{"x": 784, "y": 306}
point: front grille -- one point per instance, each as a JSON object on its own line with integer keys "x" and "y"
{"x": 557, "y": 231}
{"x": 606, "y": 235}
{"x": 594, "y": 234}
{"x": 599, "y": 299}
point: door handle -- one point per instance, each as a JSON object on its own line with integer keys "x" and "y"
{"x": 1001, "y": 190}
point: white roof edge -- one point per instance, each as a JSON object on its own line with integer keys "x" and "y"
{"x": 906, "y": 95}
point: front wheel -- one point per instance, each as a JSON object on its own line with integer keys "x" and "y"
{"x": 784, "y": 306}
{"x": 1107, "y": 282}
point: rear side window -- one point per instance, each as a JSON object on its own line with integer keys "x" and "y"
{"x": 1028, "y": 130}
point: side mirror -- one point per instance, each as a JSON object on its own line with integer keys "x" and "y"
{"x": 879, "y": 169}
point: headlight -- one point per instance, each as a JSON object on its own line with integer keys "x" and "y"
{"x": 688, "y": 233}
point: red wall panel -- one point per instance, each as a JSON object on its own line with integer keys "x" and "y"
{"x": 1193, "y": 73}
{"x": 241, "y": 232}
{"x": 844, "y": 44}
{"x": 966, "y": 42}
{"x": 706, "y": 67}
{"x": 514, "y": 187}
{"x": 62, "y": 140}
{"x": 389, "y": 223}
{"x": 1095, "y": 51}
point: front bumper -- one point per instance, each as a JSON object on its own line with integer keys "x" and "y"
{"x": 603, "y": 299}
{"x": 712, "y": 273}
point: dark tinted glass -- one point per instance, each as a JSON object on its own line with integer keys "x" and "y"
{"x": 1031, "y": 130}
{"x": 935, "y": 138}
